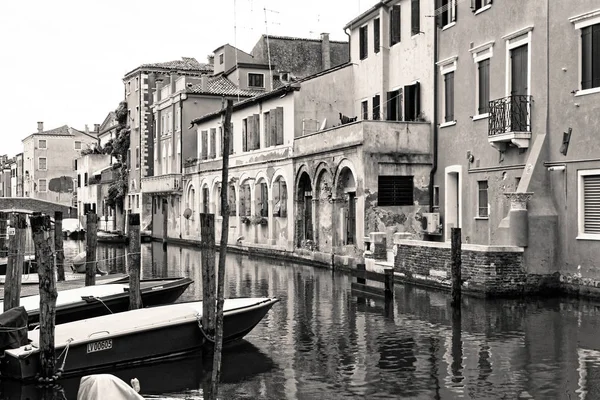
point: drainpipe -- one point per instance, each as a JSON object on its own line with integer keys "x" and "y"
{"x": 349, "y": 45}
{"x": 435, "y": 111}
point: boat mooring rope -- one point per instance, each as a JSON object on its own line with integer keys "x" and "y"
{"x": 199, "y": 319}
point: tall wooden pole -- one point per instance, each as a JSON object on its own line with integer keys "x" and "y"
{"x": 91, "y": 241}
{"x": 455, "y": 248}
{"x": 207, "y": 237}
{"x": 3, "y": 241}
{"x": 40, "y": 225}
{"x": 216, "y": 373}
{"x": 16, "y": 258}
{"x": 133, "y": 262}
{"x": 58, "y": 245}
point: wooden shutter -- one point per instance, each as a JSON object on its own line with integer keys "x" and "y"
{"x": 279, "y": 125}
{"x": 256, "y": 129}
{"x": 484, "y": 85}
{"x": 415, "y": 16}
{"x": 376, "y": 35}
{"x": 213, "y": 142}
{"x": 244, "y": 135}
{"x": 395, "y": 190}
{"x": 267, "y": 116}
{"x": 204, "y": 145}
{"x": 591, "y": 204}
{"x": 376, "y": 108}
{"x": 449, "y": 96}
{"x": 395, "y": 29}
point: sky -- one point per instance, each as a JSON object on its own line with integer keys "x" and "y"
{"x": 62, "y": 61}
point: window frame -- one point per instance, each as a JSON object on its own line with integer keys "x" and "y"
{"x": 221, "y": 59}
{"x": 396, "y": 200}
{"x": 45, "y": 162}
{"x": 45, "y": 184}
{"x": 376, "y": 109}
{"x": 580, "y": 22}
{"x": 393, "y": 10}
{"x": 481, "y": 53}
{"x": 452, "y": 11}
{"x": 483, "y": 6}
{"x": 447, "y": 66}
{"x": 376, "y": 35}
{"x": 487, "y": 196}
{"x": 364, "y": 109}
{"x": 256, "y": 74}
{"x": 45, "y": 144}
{"x": 513, "y": 40}
{"x": 581, "y": 234}
{"x": 415, "y": 22}
{"x": 363, "y": 42}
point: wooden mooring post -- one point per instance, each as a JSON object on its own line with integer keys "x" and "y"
{"x": 207, "y": 238}
{"x": 455, "y": 250}
{"x": 91, "y": 241}
{"x": 41, "y": 227}
{"x": 16, "y": 258}
{"x": 133, "y": 262}
{"x": 58, "y": 245}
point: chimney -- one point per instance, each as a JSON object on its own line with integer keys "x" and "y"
{"x": 211, "y": 59}
{"x": 40, "y": 127}
{"x": 159, "y": 86}
{"x": 97, "y": 128}
{"x": 325, "y": 51}
{"x": 87, "y": 129}
{"x": 173, "y": 79}
{"x": 204, "y": 83}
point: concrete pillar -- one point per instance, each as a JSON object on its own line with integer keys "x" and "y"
{"x": 518, "y": 233}
{"x": 315, "y": 221}
{"x": 271, "y": 223}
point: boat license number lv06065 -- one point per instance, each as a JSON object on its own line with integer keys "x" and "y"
{"x": 99, "y": 346}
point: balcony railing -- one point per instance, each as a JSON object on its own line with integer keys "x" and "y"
{"x": 510, "y": 121}
{"x": 168, "y": 183}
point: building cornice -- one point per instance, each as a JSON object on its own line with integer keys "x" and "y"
{"x": 518, "y": 33}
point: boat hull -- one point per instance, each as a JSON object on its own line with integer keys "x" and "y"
{"x": 151, "y": 296}
{"x": 106, "y": 351}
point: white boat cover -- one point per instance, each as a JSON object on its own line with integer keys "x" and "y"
{"x": 105, "y": 386}
{"x": 71, "y": 225}
{"x": 65, "y": 297}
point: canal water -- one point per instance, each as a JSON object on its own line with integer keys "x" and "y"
{"x": 322, "y": 341}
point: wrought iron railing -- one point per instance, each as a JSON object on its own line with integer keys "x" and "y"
{"x": 510, "y": 114}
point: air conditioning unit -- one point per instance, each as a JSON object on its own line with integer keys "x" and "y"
{"x": 431, "y": 223}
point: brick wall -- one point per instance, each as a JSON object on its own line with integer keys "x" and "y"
{"x": 486, "y": 270}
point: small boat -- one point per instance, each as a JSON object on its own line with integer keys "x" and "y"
{"x": 147, "y": 334}
{"x": 111, "y": 237}
{"x": 29, "y": 264}
{"x": 78, "y": 264}
{"x": 73, "y": 229}
{"x": 105, "y": 386}
{"x": 96, "y": 300}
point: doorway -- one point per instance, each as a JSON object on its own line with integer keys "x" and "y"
{"x": 453, "y": 200}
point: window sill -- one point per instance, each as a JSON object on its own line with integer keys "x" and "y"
{"x": 450, "y": 25}
{"x": 587, "y": 91}
{"x": 588, "y": 236}
{"x": 447, "y": 124}
{"x": 482, "y": 9}
{"x": 480, "y": 116}
{"x": 482, "y": 218}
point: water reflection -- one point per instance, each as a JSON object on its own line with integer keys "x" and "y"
{"x": 322, "y": 341}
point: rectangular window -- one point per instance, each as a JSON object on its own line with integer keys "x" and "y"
{"x": 256, "y": 80}
{"x": 482, "y": 199}
{"x": 42, "y": 163}
{"x": 137, "y": 82}
{"x": 364, "y": 107}
{"x": 262, "y": 199}
{"x": 395, "y": 190}
{"x": 590, "y": 57}
{"x": 42, "y": 144}
{"x": 137, "y": 157}
{"x": 395, "y": 26}
{"x": 280, "y": 199}
{"x": 85, "y": 179}
{"x": 255, "y": 131}
{"x": 449, "y": 97}
{"x": 78, "y": 180}
{"x": 394, "y": 105}
{"x": 376, "y": 35}
{"x": 363, "y": 39}
{"x": 479, "y": 4}
{"x": 589, "y": 204}
{"x": 412, "y": 102}
{"x": 446, "y": 12}
{"x": 42, "y": 187}
{"x": 415, "y": 17}
{"x": 221, "y": 58}
{"x": 245, "y": 134}
{"x": 77, "y": 145}
{"x": 436, "y": 196}
{"x": 376, "y": 107}
{"x": 483, "y": 86}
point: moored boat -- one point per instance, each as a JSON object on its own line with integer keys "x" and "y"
{"x": 132, "y": 336}
{"x": 96, "y": 300}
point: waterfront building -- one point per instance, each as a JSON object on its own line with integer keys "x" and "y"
{"x": 49, "y": 162}
{"x": 517, "y": 167}
{"x": 94, "y": 176}
{"x": 6, "y": 169}
{"x": 139, "y": 85}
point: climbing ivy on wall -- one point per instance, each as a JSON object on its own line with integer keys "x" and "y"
{"x": 119, "y": 149}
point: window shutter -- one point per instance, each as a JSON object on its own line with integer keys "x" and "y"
{"x": 204, "y": 145}
{"x": 591, "y": 204}
{"x": 376, "y": 108}
{"x": 256, "y": 131}
{"x": 279, "y": 124}
{"x": 376, "y": 34}
{"x": 415, "y": 16}
{"x": 437, "y": 13}
{"x": 395, "y": 25}
{"x": 417, "y": 99}
{"x": 267, "y": 116}
{"x": 244, "y": 135}
{"x": 213, "y": 143}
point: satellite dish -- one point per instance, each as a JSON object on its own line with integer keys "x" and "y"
{"x": 187, "y": 213}
{"x": 323, "y": 125}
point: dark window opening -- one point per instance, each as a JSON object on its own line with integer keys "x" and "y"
{"x": 376, "y": 107}
{"x": 376, "y": 35}
{"x": 363, "y": 42}
{"x": 364, "y": 106}
{"x": 394, "y": 105}
{"x": 395, "y": 26}
{"x": 256, "y": 80}
{"x": 590, "y": 57}
{"x": 449, "y": 97}
{"x": 483, "y": 210}
{"x": 412, "y": 102}
{"x": 395, "y": 190}
{"x": 483, "y": 70}
{"x": 415, "y": 17}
